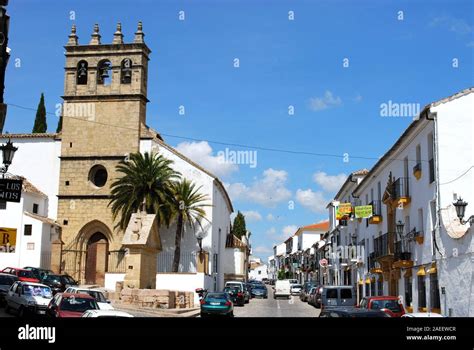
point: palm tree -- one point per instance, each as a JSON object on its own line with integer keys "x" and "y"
{"x": 146, "y": 184}
{"x": 188, "y": 209}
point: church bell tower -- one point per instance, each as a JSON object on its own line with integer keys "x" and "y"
{"x": 104, "y": 112}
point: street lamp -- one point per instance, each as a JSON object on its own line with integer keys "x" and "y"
{"x": 8, "y": 151}
{"x": 460, "y": 206}
{"x": 199, "y": 236}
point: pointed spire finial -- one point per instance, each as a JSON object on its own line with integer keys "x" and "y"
{"x": 139, "y": 35}
{"x": 95, "y": 37}
{"x": 73, "y": 39}
{"x": 118, "y": 36}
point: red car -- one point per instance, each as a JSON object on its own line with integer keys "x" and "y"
{"x": 71, "y": 305}
{"x": 22, "y": 274}
{"x": 388, "y": 304}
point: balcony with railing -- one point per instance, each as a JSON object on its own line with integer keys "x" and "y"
{"x": 401, "y": 190}
{"x": 376, "y": 212}
{"x": 402, "y": 256}
{"x": 383, "y": 245}
{"x": 372, "y": 264}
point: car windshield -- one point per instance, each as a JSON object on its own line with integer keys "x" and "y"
{"x": 234, "y": 285}
{"x": 216, "y": 296}
{"x": 391, "y": 305}
{"x": 26, "y": 274}
{"x": 231, "y": 290}
{"x": 37, "y": 291}
{"x": 259, "y": 287}
{"x": 296, "y": 286}
{"x": 78, "y": 304}
{"x": 7, "y": 280}
{"x": 98, "y": 296}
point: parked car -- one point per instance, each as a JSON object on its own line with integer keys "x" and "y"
{"x": 351, "y": 312}
{"x": 105, "y": 314}
{"x": 296, "y": 289}
{"x": 305, "y": 291}
{"x": 337, "y": 296}
{"x": 259, "y": 291}
{"x": 59, "y": 283}
{"x": 70, "y": 305}
{"x": 23, "y": 275}
{"x": 247, "y": 292}
{"x": 40, "y": 274}
{"x": 293, "y": 281}
{"x": 6, "y": 281}
{"x": 311, "y": 296}
{"x": 103, "y": 303}
{"x": 282, "y": 289}
{"x": 28, "y": 298}
{"x": 391, "y": 305}
{"x": 422, "y": 314}
{"x": 241, "y": 287}
{"x": 236, "y": 295}
{"x": 217, "y": 303}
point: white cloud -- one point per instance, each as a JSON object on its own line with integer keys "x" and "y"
{"x": 279, "y": 237}
{"x": 327, "y": 101}
{"x": 267, "y": 191}
{"x": 315, "y": 201}
{"x": 261, "y": 250}
{"x": 329, "y": 183}
{"x": 456, "y": 25}
{"x": 357, "y": 98}
{"x": 252, "y": 215}
{"x": 201, "y": 153}
{"x": 270, "y": 217}
{"x": 289, "y": 230}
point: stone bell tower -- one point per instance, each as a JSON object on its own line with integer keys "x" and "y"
{"x": 104, "y": 112}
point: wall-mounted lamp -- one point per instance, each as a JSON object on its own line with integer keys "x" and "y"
{"x": 8, "y": 151}
{"x": 460, "y": 206}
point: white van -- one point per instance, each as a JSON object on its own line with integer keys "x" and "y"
{"x": 282, "y": 289}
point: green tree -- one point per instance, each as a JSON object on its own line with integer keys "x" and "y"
{"x": 187, "y": 207}
{"x": 146, "y": 182}
{"x": 239, "y": 228}
{"x": 40, "y": 120}
{"x": 60, "y": 124}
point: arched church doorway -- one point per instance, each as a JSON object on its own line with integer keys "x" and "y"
{"x": 97, "y": 252}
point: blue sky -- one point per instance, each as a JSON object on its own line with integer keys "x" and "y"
{"x": 283, "y": 63}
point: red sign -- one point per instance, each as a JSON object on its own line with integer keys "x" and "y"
{"x": 323, "y": 262}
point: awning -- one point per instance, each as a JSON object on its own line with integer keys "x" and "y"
{"x": 367, "y": 280}
{"x": 421, "y": 271}
{"x": 361, "y": 282}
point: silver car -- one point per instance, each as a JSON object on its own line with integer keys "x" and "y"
{"x": 28, "y": 297}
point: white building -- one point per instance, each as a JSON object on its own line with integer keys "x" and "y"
{"x": 259, "y": 273}
{"x": 414, "y": 245}
{"x": 236, "y": 258}
{"x": 26, "y": 232}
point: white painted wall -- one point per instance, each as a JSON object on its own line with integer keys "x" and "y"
{"x": 37, "y": 159}
{"x": 258, "y": 273}
{"x": 455, "y": 259}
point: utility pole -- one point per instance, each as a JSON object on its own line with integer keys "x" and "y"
{"x": 4, "y": 56}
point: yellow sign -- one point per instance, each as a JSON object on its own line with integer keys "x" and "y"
{"x": 363, "y": 211}
{"x": 7, "y": 240}
{"x": 344, "y": 209}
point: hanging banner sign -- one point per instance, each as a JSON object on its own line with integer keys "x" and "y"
{"x": 7, "y": 240}
{"x": 10, "y": 190}
{"x": 344, "y": 209}
{"x": 363, "y": 211}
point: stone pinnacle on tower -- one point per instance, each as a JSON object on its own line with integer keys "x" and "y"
{"x": 118, "y": 36}
{"x": 139, "y": 35}
{"x": 95, "y": 37}
{"x": 73, "y": 38}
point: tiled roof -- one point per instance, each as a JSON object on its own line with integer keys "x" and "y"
{"x": 42, "y": 218}
{"x": 28, "y": 186}
{"x": 320, "y": 225}
{"x": 31, "y": 136}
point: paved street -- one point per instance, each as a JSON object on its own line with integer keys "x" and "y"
{"x": 276, "y": 308}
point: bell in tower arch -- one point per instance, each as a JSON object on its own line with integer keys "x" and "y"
{"x": 126, "y": 71}
{"x": 103, "y": 69}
